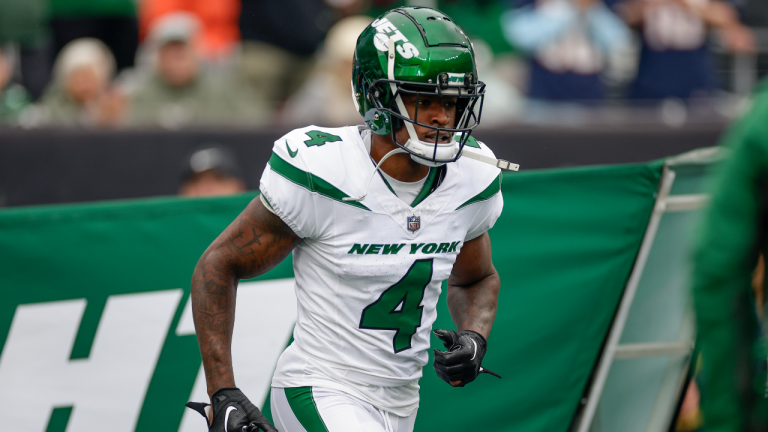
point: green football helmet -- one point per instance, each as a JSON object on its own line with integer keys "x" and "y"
{"x": 418, "y": 51}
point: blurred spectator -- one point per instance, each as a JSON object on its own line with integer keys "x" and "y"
{"x": 24, "y": 24}
{"x": 326, "y": 97}
{"x": 503, "y": 101}
{"x": 674, "y": 58}
{"x": 212, "y": 171}
{"x": 111, "y": 21}
{"x": 219, "y": 34}
{"x": 569, "y": 42}
{"x": 180, "y": 92}
{"x": 731, "y": 336}
{"x": 13, "y": 97}
{"x": 279, "y": 38}
{"x": 81, "y": 93}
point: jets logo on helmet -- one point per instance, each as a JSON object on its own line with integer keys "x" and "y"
{"x": 455, "y": 79}
{"x": 420, "y": 52}
{"x": 385, "y": 32}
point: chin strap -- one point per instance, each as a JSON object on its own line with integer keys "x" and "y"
{"x": 500, "y": 163}
{"x": 386, "y": 156}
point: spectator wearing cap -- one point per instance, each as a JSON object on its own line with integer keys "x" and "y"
{"x": 81, "y": 93}
{"x": 674, "y": 58}
{"x": 569, "y": 42}
{"x": 180, "y": 92}
{"x": 13, "y": 98}
{"x": 211, "y": 171}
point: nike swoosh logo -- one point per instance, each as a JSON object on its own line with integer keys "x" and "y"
{"x": 292, "y": 153}
{"x": 226, "y": 418}
{"x": 474, "y": 353}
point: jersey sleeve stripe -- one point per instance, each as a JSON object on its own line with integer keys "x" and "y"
{"x": 490, "y": 191}
{"x": 309, "y": 181}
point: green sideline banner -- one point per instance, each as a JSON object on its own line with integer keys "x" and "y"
{"x": 96, "y": 330}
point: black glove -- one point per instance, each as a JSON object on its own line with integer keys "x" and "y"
{"x": 233, "y": 412}
{"x": 461, "y": 362}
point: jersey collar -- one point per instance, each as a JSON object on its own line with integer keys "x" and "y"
{"x": 434, "y": 177}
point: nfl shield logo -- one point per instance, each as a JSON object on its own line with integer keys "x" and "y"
{"x": 414, "y": 223}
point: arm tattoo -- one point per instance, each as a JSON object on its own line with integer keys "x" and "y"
{"x": 243, "y": 249}
{"x": 252, "y": 245}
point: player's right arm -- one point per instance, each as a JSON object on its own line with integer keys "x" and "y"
{"x": 253, "y": 244}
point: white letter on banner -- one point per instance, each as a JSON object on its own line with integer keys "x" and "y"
{"x": 107, "y": 389}
{"x": 265, "y": 315}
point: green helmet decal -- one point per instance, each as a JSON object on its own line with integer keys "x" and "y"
{"x": 432, "y": 53}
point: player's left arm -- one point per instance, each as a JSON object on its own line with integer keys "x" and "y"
{"x": 473, "y": 287}
{"x": 473, "y": 293}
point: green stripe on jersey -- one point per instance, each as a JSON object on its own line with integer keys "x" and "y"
{"x": 490, "y": 191}
{"x": 428, "y": 187}
{"x": 304, "y": 408}
{"x": 309, "y": 181}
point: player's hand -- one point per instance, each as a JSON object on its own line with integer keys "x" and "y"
{"x": 460, "y": 365}
{"x": 233, "y": 412}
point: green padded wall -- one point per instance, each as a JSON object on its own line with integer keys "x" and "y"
{"x": 564, "y": 247}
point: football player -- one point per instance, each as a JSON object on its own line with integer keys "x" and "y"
{"x": 377, "y": 217}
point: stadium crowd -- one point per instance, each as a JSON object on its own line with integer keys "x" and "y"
{"x": 182, "y": 63}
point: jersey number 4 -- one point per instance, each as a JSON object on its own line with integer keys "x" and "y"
{"x": 317, "y": 138}
{"x": 399, "y": 306}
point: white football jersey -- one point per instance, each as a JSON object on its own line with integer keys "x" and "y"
{"x": 369, "y": 273}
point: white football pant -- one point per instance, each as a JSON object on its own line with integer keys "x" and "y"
{"x": 319, "y": 409}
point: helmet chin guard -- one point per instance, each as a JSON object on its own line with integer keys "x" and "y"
{"x": 440, "y": 153}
